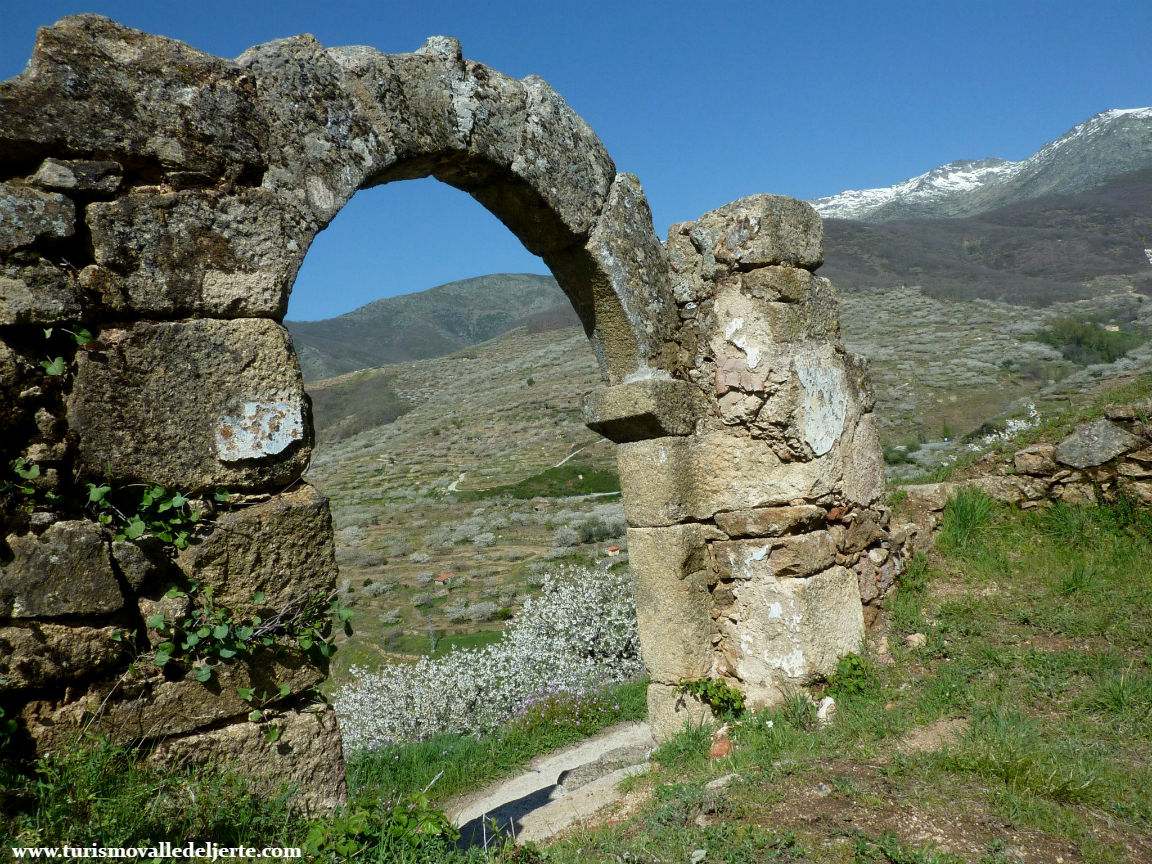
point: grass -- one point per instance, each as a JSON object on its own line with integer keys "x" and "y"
{"x": 1037, "y": 630}
{"x": 559, "y": 482}
{"x": 97, "y": 793}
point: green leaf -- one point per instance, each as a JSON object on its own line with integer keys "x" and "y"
{"x": 244, "y": 633}
{"x": 220, "y": 631}
{"x": 48, "y": 332}
{"x": 55, "y": 366}
{"x": 258, "y": 597}
{"x": 285, "y": 689}
{"x": 222, "y": 496}
{"x": 156, "y": 622}
{"x": 174, "y": 592}
{"x": 82, "y": 336}
{"x": 178, "y": 500}
{"x": 246, "y": 693}
{"x": 31, "y": 472}
{"x": 305, "y": 641}
{"x": 202, "y": 672}
{"x": 190, "y": 641}
{"x": 272, "y": 734}
{"x": 117, "y": 636}
{"x": 135, "y": 528}
{"x": 227, "y": 653}
{"x": 256, "y": 716}
{"x": 96, "y": 493}
{"x": 161, "y": 657}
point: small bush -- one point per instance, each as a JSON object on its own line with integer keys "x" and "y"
{"x": 854, "y": 675}
{"x": 566, "y": 536}
{"x": 717, "y": 694}
{"x": 578, "y": 634}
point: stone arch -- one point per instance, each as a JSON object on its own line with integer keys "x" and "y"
{"x": 166, "y": 198}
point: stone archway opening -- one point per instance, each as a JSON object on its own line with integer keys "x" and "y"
{"x": 413, "y": 457}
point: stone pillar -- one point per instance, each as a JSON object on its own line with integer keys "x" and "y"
{"x": 752, "y": 479}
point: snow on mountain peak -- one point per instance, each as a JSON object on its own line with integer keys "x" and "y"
{"x": 950, "y": 183}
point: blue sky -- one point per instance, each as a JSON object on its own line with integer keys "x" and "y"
{"x": 706, "y": 102}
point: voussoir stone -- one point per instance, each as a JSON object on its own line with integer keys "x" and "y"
{"x": 39, "y": 653}
{"x": 762, "y": 230}
{"x": 191, "y": 405}
{"x": 1092, "y": 444}
{"x": 281, "y": 548}
{"x": 199, "y": 253}
{"x": 305, "y": 758}
{"x": 29, "y": 215}
{"x": 66, "y": 570}
{"x": 132, "y": 97}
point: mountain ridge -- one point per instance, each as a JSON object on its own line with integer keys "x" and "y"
{"x": 1113, "y": 142}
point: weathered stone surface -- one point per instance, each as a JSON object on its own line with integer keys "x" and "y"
{"x": 64, "y": 571}
{"x": 1036, "y": 460}
{"x": 28, "y": 215}
{"x": 862, "y": 533}
{"x": 281, "y": 547}
{"x": 132, "y": 97}
{"x": 782, "y": 284}
{"x": 38, "y": 653}
{"x": 771, "y": 521}
{"x": 670, "y": 480}
{"x": 78, "y": 175}
{"x": 669, "y": 711}
{"x": 152, "y": 402}
{"x": 1095, "y": 443}
{"x": 644, "y": 409}
{"x": 773, "y": 558}
{"x": 199, "y": 253}
{"x": 673, "y": 605}
{"x": 759, "y": 231}
{"x": 39, "y": 293}
{"x": 149, "y": 706}
{"x": 790, "y": 630}
{"x": 306, "y": 758}
{"x": 554, "y": 173}
{"x": 618, "y": 283}
{"x": 140, "y": 563}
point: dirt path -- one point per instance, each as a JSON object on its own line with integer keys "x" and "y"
{"x": 564, "y": 786}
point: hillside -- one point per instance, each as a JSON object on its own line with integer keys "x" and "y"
{"x": 429, "y": 323}
{"x": 1107, "y": 145}
{"x": 1055, "y": 248}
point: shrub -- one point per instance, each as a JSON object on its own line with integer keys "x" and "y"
{"x": 566, "y": 536}
{"x": 578, "y": 634}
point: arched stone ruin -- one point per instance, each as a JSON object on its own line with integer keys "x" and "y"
{"x": 163, "y": 199}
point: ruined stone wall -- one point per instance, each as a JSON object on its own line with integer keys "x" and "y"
{"x": 161, "y": 200}
{"x": 1099, "y": 460}
{"x": 752, "y": 484}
